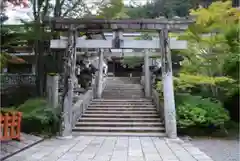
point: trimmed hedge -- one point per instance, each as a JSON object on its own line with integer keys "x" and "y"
{"x": 38, "y": 117}
{"x": 199, "y": 112}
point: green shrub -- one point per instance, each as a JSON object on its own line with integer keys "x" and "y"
{"x": 198, "y": 112}
{"x": 38, "y": 117}
{"x": 32, "y": 104}
{"x": 8, "y": 109}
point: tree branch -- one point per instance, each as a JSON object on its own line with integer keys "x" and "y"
{"x": 72, "y": 8}
{"x": 57, "y": 8}
{"x": 45, "y": 8}
{"x": 34, "y": 10}
{"x": 61, "y": 3}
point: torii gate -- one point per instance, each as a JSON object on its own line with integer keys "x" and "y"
{"x": 162, "y": 26}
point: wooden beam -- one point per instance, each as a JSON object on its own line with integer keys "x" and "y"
{"x": 125, "y": 44}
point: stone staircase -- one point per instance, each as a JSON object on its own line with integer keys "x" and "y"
{"x": 122, "y": 111}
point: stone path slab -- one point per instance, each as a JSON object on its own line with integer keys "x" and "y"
{"x": 9, "y": 148}
{"x": 220, "y": 149}
{"x": 101, "y": 148}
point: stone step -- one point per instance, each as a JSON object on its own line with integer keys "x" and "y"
{"x": 118, "y": 103}
{"x": 109, "y": 96}
{"x": 127, "y": 89}
{"x": 118, "y": 112}
{"x": 123, "y": 91}
{"x": 118, "y": 129}
{"x": 121, "y": 109}
{"x": 112, "y": 119}
{"x": 122, "y": 97}
{"x": 122, "y": 115}
{"x": 121, "y": 103}
{"x": 120, "y": 124}
{"x": 122, "y": 83}
{"x": 125, "y": 86}
{"x": 122, "y": 100}
{"x": 132, "y": 78}
{"x": 124, "y": 80}
{"x": 133, "y": 134}
{"x": 122, "y": 94}
{"x": 135, "y": 106}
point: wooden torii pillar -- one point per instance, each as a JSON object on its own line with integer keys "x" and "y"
{"x": 163, "y": 26}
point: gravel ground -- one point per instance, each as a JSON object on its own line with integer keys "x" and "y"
{"x": 219, "y": 149}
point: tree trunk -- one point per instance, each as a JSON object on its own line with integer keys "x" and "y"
{"x": 40, "y": 72}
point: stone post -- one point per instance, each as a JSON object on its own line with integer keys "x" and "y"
{"x": 33, "y": 68}
{"x": 168, "y": 90}
{"x": 100, "y": 75}
{"x": 52, "y": 90}
{"x": 146, "y": 75}
{"x": 113, "y": 64}
{"x": 68, "y": 80}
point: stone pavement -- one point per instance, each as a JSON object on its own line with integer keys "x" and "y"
{"x": 96, "y": 148}
{"x": 9, "y": 148}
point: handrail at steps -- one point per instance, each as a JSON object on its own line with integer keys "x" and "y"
{"x": 84, "y": 100}
{"x": 158, "y": 103}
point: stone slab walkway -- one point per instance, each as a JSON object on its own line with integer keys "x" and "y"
{"x": 9, "y": 148}
{"x": 92, "y": 148}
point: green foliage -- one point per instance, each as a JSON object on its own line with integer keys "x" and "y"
{"x": 112, "y": 10}
{"x": 9, "y": 109}
{"x": 231, "y": 66}
{"x": 3, "y": 59}
{"x": 211, "y": 62}
{"x": 31, "y": 105}
{"x": 211, "y": 18}
{"x": 208, "y": 52}
{"x": 197, "y": 84}
{"x": 158, "y": 8}
{"x": 195, "y": 111}
{"x": 38, "y": 117}
{"x": 232, "y": 62}
{"x": 186, "y": 81}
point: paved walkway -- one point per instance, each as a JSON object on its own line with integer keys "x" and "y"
{"x": 90, "y": 148}
{"x": 219, "y": 149}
